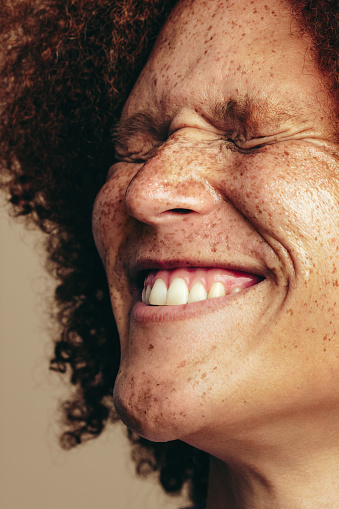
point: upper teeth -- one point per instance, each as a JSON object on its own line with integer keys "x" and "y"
{"x": 178, "y": 293}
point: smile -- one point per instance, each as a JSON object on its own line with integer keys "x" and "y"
{"x": 183, "y": 286}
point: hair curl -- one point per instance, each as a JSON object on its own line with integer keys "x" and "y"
{"x": 67, "y": 67}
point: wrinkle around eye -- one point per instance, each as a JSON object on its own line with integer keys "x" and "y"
{"x": 244, "y": 148}
{"x": 284, "y": 135}
{"x": 137, "y": 156}
{"x": 252, "y": 145}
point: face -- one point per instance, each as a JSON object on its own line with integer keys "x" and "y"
{"x": 226, "y": 180}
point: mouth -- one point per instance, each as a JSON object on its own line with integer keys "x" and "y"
{"x": 181, "y": 286}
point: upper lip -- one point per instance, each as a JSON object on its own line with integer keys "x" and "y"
{"x": 136, "y": 272}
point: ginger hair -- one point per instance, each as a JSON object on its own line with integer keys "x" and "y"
{"x": 67, "y": 67}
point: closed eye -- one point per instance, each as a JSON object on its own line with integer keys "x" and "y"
{"x": 137, "y": 155}
{"x": 243, "y": 147}
{"x": 251, "y": 144}
{"x": 137, "y": 137}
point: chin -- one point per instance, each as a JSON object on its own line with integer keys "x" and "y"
{"x": 145, "y": 409}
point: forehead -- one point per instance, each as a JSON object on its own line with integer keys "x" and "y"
{"x": 219, "y": 51}
{"x": 209, "y": 24}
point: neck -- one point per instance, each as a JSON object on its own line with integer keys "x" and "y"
{"x": 293, "y": 474}
{"x": 237, "y": 488}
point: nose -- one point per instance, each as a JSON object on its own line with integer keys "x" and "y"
{"x": 167, "y": 188}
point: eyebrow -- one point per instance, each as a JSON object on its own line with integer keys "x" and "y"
{"x": 241, "y": 113}
{"x": 247, "y": 111}
{"x": 141, "y": 122}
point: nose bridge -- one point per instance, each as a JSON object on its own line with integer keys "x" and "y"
{"x": 172, "y": 182}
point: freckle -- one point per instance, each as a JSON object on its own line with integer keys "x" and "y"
{"x": 295, "y": 346}
{"x": 204, "y": 375}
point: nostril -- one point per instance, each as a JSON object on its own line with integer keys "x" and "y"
{"x": 180, "y": 211}
{"x": 151, "y": 200}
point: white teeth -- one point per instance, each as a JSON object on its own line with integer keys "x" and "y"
{"x": 145, "y": 294}
{"x": 158, "y": 293}
{"x": 148, "y": 293}
{"x": 235, "y": 290}
{"x": 217, "y": 290}
{"x": 197, "y": 293}
{"x": 177, "y": 293}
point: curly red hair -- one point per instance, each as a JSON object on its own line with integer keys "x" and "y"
{"x": 67, "y": 67}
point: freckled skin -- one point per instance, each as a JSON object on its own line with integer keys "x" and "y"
{"x": 254, "y": 373}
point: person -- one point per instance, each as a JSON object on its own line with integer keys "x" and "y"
{"x": 217, "y": 227}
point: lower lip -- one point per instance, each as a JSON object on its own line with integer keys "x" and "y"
{"x": 143, "y": 313}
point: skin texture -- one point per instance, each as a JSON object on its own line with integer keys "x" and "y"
{"x": 235, "y": 166}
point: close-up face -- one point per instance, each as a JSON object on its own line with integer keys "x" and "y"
{"x": 218, "y": 227}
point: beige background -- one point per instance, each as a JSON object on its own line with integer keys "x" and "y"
{"x": 34, "y": 472}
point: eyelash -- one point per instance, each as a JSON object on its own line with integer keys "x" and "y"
{"x": 232, "y": 144}
{"x": 137, "y": 160}
{"x": 235, "y": 146}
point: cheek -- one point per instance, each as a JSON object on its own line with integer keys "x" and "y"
{"x": 288, "y": 196}
{"x": 109, "y": 215}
